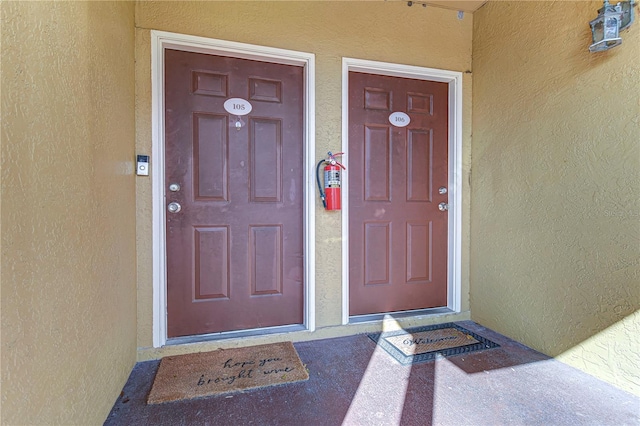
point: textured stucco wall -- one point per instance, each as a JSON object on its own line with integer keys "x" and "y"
{"x": 382, "y": 31}
{"x": 68, "y": 222}
{"x": 555, "y": 229}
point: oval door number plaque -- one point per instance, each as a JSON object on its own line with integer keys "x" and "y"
{"x": 237, "y": 106}
{"x": 399, "y": 119}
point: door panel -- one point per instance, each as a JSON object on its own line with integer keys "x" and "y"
{"x": 377, "y": 252}
{"x": 377, "y": 168}
{"x": 397, "y": 234}
{"x": 235, "y": 249}
{"x": 210, "y": 157}
{"x": 266, "y": 160}
{"x": 211, "y": 256}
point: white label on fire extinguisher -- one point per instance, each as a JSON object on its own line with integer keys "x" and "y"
{"x": 399, "y": 119}
{"x": 237, "y": 106}
{"x": 332, "y": 178}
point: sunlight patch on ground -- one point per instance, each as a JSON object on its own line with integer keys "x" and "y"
{"x": 387, "y": 405}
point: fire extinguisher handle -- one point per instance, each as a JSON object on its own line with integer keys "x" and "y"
{"x": 332, "y": 159}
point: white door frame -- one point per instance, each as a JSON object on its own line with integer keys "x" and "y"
{"x": 454, "y": 80}
{"x": 161, "y": 40}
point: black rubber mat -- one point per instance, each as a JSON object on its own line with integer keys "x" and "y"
{"x": 422, "y": 344}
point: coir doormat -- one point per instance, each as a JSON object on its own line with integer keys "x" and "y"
{"x": 424, "y": 343}
{"x": 225, "y": 371}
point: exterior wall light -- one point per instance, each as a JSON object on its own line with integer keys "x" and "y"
{"x": 605, "y": 29}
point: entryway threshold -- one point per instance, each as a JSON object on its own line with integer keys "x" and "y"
{"x": 174, "y": 341}
{"x": 418, "y": 313}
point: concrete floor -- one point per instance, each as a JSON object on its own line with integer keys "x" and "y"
{"x": 354, "y": 382}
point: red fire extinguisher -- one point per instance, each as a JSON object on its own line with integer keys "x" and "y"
{"x": 332, "y": 180}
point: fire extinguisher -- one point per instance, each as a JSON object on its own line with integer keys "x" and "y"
{"x": 332, "y": 180}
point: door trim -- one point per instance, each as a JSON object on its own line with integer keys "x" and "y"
{"x": 454, "y": 250}
{"x": 161, "y": 40}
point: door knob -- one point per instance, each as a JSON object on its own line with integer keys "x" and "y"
{"x": 174, "y": 207}
{"x": 443, "y": 207}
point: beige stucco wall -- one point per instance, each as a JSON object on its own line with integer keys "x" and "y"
{"x": 382, "y": 31}
{"x": 68, "y": 222}
{"x": 555, "y": 229}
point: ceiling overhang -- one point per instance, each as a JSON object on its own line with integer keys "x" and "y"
{"x": 466, "y": 6}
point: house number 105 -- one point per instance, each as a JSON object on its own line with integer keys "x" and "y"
{"x": 237, "y": 106}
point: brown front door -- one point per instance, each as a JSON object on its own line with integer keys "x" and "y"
{"x": 397, "y": 234}
{"x": 235, "y": 256}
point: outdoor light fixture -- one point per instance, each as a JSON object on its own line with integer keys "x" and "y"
{"x": 605, "y": 29}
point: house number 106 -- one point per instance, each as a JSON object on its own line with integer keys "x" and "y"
{"x": 399, "y": 119}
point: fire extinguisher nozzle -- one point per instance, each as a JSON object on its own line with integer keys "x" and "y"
{"x": 324, "y": 203}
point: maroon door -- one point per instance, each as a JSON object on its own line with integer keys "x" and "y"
{"x": 235, "y": 247}
{"x": 397, "y": 234}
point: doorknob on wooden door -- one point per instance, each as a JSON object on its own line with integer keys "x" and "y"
{"x": 174, "y": 207}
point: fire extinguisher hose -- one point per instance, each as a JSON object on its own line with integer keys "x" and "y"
{"x": 322, "y": 197}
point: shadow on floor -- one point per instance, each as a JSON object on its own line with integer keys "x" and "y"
{"x": 354, "y": 382}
